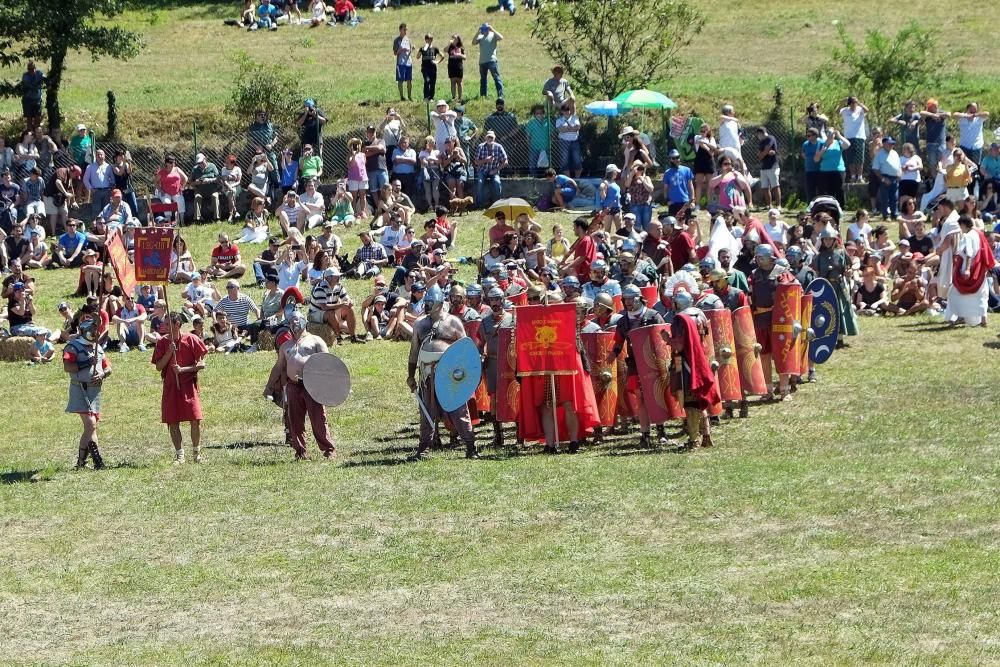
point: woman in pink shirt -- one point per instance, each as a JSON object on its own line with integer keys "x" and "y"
{"x": 357, "y": 178}
{"x": 171, "y": 181}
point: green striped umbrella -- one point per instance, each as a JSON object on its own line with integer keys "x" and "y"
{"x": 645, "y": 99}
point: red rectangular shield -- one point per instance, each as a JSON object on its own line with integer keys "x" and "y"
{"x": 807, "y": 313}
{"x": 603, "y": 373}
{"x": 649, "y": 295}
{"x": 785, "y": 319}
{"x": 546, "y": 337}
{"x": 748, "y": 353}
{"x": 519, "y": 299}
{"x": 653, "y": 359}
{"x": 508, "y": 388}
{"x": 721, "y": 321}
{"x": 708, "y": 342}
{"x": 118, "y": 256}
{"x": 152, "y": 255}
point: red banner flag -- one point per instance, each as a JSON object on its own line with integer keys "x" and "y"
{"x": 118, "y": 255}
{"x": 152, "y": 255}
{"x": 546, "y": 340}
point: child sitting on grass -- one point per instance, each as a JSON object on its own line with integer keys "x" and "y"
{"x": 42, "y": 351}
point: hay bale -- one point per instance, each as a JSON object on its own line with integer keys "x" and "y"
{"x": 265, "y": 341}
{"x": 16, "y": 348}
{"x": 323, "y": 331}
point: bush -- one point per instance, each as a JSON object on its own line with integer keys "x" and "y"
{"x": 263, "y": 85}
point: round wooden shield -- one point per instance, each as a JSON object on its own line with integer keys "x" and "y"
{"x": 327, "y": 379}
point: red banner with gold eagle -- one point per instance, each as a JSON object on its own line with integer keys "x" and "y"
{"x": 546, "y": 340}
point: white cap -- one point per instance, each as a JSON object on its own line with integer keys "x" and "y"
{"x": 441, "y": 103}
{"x": 775, "y": 212}
{"x": 200, "y": 157}
{"x": 612, "y": 167}
{"x": 81, "y": 126}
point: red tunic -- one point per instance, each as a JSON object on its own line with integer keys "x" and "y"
{"x": 183, "y": 404}
{"x": 576, "y": 389}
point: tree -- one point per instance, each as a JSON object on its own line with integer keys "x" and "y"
{"x": 610, "y": 46}
{"x": 884, "y": 71}
{"x": 46, "y": 31}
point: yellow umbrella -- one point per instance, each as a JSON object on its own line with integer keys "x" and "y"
{"x": 511, "y": 207}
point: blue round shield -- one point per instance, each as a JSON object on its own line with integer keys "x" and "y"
{"x": 457, "y": 374}
{"x": 825, "y": 321}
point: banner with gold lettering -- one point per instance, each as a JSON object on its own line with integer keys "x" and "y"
{"x": 152, "y": 255}
{"x": 118, "y": 256}
{"x": 546, "y": 340}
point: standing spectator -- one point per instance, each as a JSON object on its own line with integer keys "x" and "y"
{"x": 503, "y": 123}
{"x": 32, "y": 82}
{"x": 568, "y": 127}
{"x": 357, "y": 178}
{"x": 770, "y": 171}
{"x": 404, "y": 166}
{"x": 890, "y": 170}
{"x": 456, "y": 67}
{"x": 853, "y": 114}
{"x": 59, "y": 196}
{"x": 609, "y": 194}
{"x": 430, "y": 56}
{"x": 454, "y": 165}
{"x": 375, "y": 164}
{"x": 402, "y": 49}
{"x": 539, "y": 131}
{"x": 912, "y": 166}
{"x": 810, "y": 166}
{"x": 80, "y": 147}
{"x": 557, "y": 90}
{"x": 466, "y": 130}
{"x": 26, "y": 154}
{"x": 311, "y": 121}
{"x": 262, "y": 136}
{"x": 171, "y": 181}
{"x": 678, "y": 184}
{"x": 310, "y": 166}
{"x": 6, "y": 154}
{"x": 430, "y": 171}
{"x": 730, "y": 137}
{"x": 908, "y": 121}
{"x": 10, "y": 193}
{"x": 98, "y": 180}
{"x": 640, "y": 188}
{"x": 936, "y": 132}
{"x": 970, "y": 131}
{"x": 122, "y": 169}
{"x": 392, "y": 128}
{"x": 814, "y": 119}
{"x": 491, "y": 158}
{"x": 830, "y": 158}
{"x": 489, "y": 40}
{"x": 989, "y": 168}
{"x": 705, "y": 148}
{"x": 444, "y": 123}
{"x": 289, "y": 171}
{"x": 47, "y": 151}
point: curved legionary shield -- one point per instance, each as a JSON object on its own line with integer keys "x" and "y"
{"x": 748, "y": 353}
{"x": 603, "y": 373}
{"x": 651, "y": 349}
{"x": 721, "y": 321}
{"x": 786, "y": 328}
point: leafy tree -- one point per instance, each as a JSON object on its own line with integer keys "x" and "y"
{"x": 610, "y": 46}
{"x": 884, "y": 71}
{"x": 264, "y": 85}
{"x": 46, "y": 31}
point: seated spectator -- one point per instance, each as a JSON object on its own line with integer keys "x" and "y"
{"x": 330, "y": 304}
{"x": 32, "y": 225}
{"x": 17, "y": 275}
{"x": 42, "y": 350}
{"x": 267, "y": 17}
{"x": 776, "y": 228}
{"x": 198, "y": 298}
{"x": 870, "y": 298}
{"x": 255, "y": 226}
{"x": 317, "y": 13}
{"x": 369, "y": 257}
{"x": 270, "y": 304}
{"x": 131, "y": 325}
{"x": 232, "y": 185}
{"x": 225, "y": 336}
{"x": 158, "y": 324}
{"x": 312, "y": 202}
{"x": 226, "y": 260}
{"x": 39, "y": 258}
{"x": 71, "y": 245}
{"x": 344, "y": 12}
{"x": 330, "y": 242}
{"x": 15, "y": 245}
{"x": 321, "y": 261}
{"x": 343, "y": 205}
{"x": 292, "y": 263}
{"x": 410, "y": 263}
{"x": 181, "y": 263}
{"x": 171, "y": 181}
{"x": 560, "y": 191}
{"x": 260, "y": 177}
{"x": 237, "y": 307}
{"x": 31, "y": 192}
{"x": 117, "y": 213}
{"x": 21, "y": 310}
{"x": 390, "y": 237}
{"x": 198, "y": 329}
{"x": 292, "y": 214}
{"x": 558, "y": 245}
{"x": 67, "y": 328}
{"x": 91, "y": 273}
{"x": 205, "y": 178}
{"x": 266, "y": 264}
{"x": 380, "y": 321}
{"x": 909, "y": 293}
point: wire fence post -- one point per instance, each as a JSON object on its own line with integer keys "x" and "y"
{"x": 194, "y": 133}
{"x": 430, "y": 130}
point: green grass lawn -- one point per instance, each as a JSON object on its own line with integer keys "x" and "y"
{"x": 744, "y": 51}
{"x": 855, "y": 525}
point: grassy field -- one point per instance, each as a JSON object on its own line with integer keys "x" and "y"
{"x": 745, "y": 50}
{"x": 857, "y": 524}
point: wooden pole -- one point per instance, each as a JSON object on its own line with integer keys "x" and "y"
{"x": 555, "y": 410}
{"x": 170, "y": 333}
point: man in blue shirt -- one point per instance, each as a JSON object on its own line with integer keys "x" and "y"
{"x": 563, "y": 188}
{"x": 69, "y": 252}
{"x": 678, "y": 184}
{"x": 809, "y": 148}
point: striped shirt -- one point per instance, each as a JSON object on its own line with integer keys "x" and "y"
{"x": 324, "y": 295}
{"x": 238, "y": 310}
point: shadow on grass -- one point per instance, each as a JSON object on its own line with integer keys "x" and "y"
{"x": 19, "y": 476}
{"x": 992, "y": 345}
{"x": 245, "y": 445}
